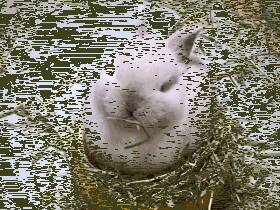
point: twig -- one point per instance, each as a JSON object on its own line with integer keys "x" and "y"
{"x": 147, "y": 180}
{"x": 126, "y": 120}
{"x": 138, "y": 126}
{"x": 136, "y": 144}
{"x": 10, "y": 112}
{"x": 210, "y": 201}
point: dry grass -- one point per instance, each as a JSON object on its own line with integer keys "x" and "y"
{"x": 216, "y": 177}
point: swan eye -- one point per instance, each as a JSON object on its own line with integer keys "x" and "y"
{"x": 167, "y": 85}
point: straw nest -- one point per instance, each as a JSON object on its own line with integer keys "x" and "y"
{"x": 216, "y": 176}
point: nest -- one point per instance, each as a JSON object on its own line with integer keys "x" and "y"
{"x": 216, "y": 176}
{"x": 211, "y": 177}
